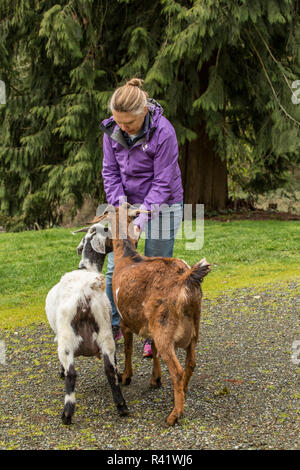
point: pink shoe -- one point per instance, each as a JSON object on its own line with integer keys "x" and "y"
{"x": 117, "y": 333}
{"x": 147, "y": 349}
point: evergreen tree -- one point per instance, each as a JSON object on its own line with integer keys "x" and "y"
{"x": 60, "y": 62}
{"x": 225, "y": 71}
{"x": 49, "y": 148}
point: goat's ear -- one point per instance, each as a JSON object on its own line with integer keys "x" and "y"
{"x": 98, "y": 243}
{"x": 86, "y": 229}
{"x": 80, "y": 247}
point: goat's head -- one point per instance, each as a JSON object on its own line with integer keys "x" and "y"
{"x": 120, "y": 220}
{"x": 94, "y": 247}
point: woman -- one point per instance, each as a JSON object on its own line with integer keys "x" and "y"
{"x": 140, "y": 165}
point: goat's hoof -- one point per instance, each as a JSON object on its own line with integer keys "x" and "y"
{"x": 171, "y": 419}
{"x": 156, "y": 383}
{"x": 123, "y": 410}
{"x": 67, "y": 420}
{"x": 126, "y": 381}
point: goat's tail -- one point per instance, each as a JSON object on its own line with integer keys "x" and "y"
{"x": 192, "y": 279}
{"x": 195, "y": 276}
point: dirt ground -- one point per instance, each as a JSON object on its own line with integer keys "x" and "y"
{"x": 244, "y": 393}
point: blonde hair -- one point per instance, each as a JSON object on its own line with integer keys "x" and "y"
{"x": 129, "y": 98}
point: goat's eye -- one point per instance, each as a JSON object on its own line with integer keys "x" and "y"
{"x": 105, "y": 229}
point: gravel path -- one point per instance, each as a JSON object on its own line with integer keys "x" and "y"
{"x": 244, "y": 393}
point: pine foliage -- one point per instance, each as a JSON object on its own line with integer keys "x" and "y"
{"x": 237, "y": 61}
{"x": 61, "y": 62}
{"x": 230, "y": 64}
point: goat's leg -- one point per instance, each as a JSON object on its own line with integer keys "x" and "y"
{"x": 190, "y": 363}
{"x": 62, "y": 372}
{"x": 106, "y": 344}
{"x": 156, "y": 370}
{"x": 112, "y": 377}
{"x": 176, "y": 373}
{"x": 190, "y": 360}
{"x": 66, "y": 358}
{"x": 69, "y": 408}
{"x": 128, "y": 347}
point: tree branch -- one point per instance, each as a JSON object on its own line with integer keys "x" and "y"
{"x": 274, "y": 59}
{"x": 270, "y": 82}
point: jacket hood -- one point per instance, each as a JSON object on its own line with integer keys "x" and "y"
{"x": 155, "y": 109}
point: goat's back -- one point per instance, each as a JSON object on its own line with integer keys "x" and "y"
{"x": 65, "y": 299}
{"x": 153, "y": 294}
{"x": 151, "y": 274}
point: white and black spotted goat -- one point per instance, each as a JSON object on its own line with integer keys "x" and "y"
{"x": 79, "y": 312}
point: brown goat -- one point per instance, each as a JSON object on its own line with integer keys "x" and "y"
{"x": 159, "y": 298}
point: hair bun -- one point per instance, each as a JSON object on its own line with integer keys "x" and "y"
{"x": 135, "y": 82}
{"x": 129, "y": 98}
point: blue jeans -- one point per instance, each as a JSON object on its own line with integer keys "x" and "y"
{"x": 160, "y": 237}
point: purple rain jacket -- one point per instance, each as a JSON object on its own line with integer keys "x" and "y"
{"x": 148, "y": 172}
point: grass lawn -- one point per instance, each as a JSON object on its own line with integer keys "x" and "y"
{"x": 243, "y": 254}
